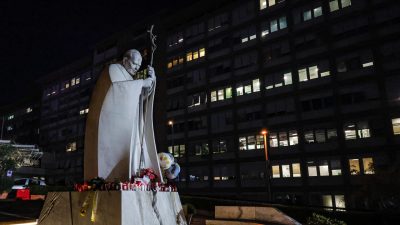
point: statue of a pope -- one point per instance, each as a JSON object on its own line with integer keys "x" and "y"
{"x": 119, "y": 135}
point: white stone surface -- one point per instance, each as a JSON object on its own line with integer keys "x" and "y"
{"x": 114, "y": 208}
{"x": 119, "y": 138}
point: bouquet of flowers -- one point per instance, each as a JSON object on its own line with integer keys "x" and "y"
{"x": 148, "y": 174}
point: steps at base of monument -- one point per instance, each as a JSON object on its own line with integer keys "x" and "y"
{"x": 231, "y": 222}
{"x": 263, "y": 215}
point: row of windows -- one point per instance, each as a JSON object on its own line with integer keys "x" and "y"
{"x": 190, "y": 56}
{"x": 323, "y": 168}
{"x": 279, "y": 80}
{"x": 245, "y": 12}
{"x": 65, "y": 85}
{"x": 352, "y": 130}
{"x": 12, "y": 116}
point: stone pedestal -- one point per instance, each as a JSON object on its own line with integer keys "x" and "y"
{"x": 113, "y": 208}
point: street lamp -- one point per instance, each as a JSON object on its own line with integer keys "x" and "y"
{"x": 264, "y": 132}
{"x": 171, "y": 123}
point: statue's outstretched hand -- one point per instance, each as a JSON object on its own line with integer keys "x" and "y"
{"x": 151, "y": 72}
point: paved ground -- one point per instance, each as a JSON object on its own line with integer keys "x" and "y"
{"x": 11, "y": 210}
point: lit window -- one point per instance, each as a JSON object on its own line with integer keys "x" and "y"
{"x": 10, "y": 117}
{"x": 318, "y": 12}
{"x": 324, "y": 169}
{"x": 313, "y": 71}
{"x": 285, "y": 171}
{"x": 251, "y": 142}
{"x": 363, "y": 130}
{"x": 239, "y": 91}
{"x": 309, "y": 136}
{"x": 312, "y": 171}
{"x": 263, "y": 4}
{"x": 29, "y": 109}
{"x": 213, "y": 96}
{"x": 334, "y": 5}
{"x": 273, "y": 140}
{"x": 195, "y": 55}
{"x": 307, "y": 15}
{"x": 287, "y": 78}
{"x": 276, "y": 172}
{"x": 336, "y": 168}
{"x": 283, "y": 141}
{"x": 326, "y": 73}
{"x": 303, "y": 75}
{"x": 320, "y": 136}
{"x": 368, "y": 165}
{"x": 170, "y": 150}
{"x": 354, "y": 166}
{"x": 345, "y": 3}
{"x": 327, "y": 201}
{"x": 202, "y": 52}
{"x": 256, "y": 85}
{"x": 339, "y": 201}
{"x": 9, "y": 128}
{"x": 247, "y": 89}
{"x": 293, "y": 139}
{"x": 282, "y": 23}
{"x": 244, "y": 39}
{"x": 228, "y": 92}
{"x": 274, "y": 25}
{"x": 264, "y": 33}
{"x": 296, "y": 170}
{"x": 71, "y": 147}
{"x": 242, "y": 143}
{"x": 260, "y": 142}
{"x": 189, "y": 56}
{"x": 271, "y": 2}
{"x": 73, "y": 82}
{"x": 396, "y": 126}
{"x": 169, "y": 65}
{"x": 181, "y": 150}
{"x": 368, "y": 64}
{"x": 221, "y": 95}
{"x": 350, "y": 132}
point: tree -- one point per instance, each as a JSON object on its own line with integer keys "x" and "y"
{"x": 10, "y": 158}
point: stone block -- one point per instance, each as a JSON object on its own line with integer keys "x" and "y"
{"x": 113, "y": 208}
{"x": 261, "y": 214}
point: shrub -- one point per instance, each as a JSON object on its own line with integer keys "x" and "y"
{"x": 317, "y": 219}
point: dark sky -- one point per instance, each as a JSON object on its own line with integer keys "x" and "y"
{"x": 39, "y": 36}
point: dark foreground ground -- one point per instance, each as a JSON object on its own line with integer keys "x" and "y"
{"x": 11, "y": 210}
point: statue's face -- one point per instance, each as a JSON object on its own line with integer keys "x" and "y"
{"x": 132, "y": 64}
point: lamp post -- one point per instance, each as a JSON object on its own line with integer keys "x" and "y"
{"x": 264, "y": 132}
{"x": 171, "y": 123}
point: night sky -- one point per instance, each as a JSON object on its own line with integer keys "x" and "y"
{"x": 38, "y": 37}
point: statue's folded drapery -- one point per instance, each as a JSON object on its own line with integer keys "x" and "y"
{"x": 115, "y": 124}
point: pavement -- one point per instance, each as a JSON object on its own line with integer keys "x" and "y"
{"x": 18, "y": 210}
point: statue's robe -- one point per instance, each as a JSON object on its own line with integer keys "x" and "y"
{"x": 114, "y": 126}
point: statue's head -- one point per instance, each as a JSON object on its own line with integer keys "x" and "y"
{"x": 132, "y": 61}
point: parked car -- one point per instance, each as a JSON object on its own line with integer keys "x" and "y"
{"x": 21, "y": 188}
{"x": 24, "y": 183}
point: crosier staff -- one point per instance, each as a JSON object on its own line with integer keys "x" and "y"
{"x": 145, "y": 93}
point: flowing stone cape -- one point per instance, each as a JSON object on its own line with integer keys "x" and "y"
{"x": 114, "y": 125}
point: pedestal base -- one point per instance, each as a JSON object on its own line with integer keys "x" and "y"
{"x": 113, "y": 208}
